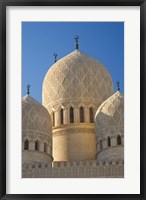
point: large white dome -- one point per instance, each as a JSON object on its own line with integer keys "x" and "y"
{"x": 73, "y": 89}
{"x": 76, "y": 76}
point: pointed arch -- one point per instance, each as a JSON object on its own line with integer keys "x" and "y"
{"x": 45, "y": 147}
{"x": 71, "y": 115}
{"x": 37, "y": 145}
{"x": 26, "y": 145}
{"x": 108, "y": 141}
{"x": 61, "y": 116}
{"x": 91, "y": 115}
{"x": 119, "y": 142}
{"x": 81, "y": 114}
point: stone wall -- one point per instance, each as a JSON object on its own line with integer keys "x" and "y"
{"x": 113, "y": 152}
{"x": 74, "y": 142}
{"x": 86, "y": 169}
{"x": 76, "y": 75}
{"x": 29, "y": 156}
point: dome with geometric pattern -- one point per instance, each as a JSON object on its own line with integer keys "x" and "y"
{"x": 109, "y": 122}
{"x": 110, "y": 115}
{"x": 76, "y": 76}
{"x": 36, "y": 132}
{"x": 35, "y": 117}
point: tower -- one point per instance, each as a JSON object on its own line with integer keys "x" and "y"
{"x": 109, "y": 120}
{"x": 36, "y": 132}
{"x": 73, "y": 89}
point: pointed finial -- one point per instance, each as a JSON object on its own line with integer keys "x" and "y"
{"x": 28, "y": 86}
{"x": 76, "y": 39}
{"x": 118, "y": 85}
{"x": 55, "y": 56}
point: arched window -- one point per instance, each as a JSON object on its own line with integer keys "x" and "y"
{"x": 91, "y": 115}
{"x": 45, "y": 147}
{"x": 26, "y": 145}
{"x": 119, "y": 142}
{"x": 61, "y": 116}
{"x": 53, "y": 119}
{"x": 109, "y": 141}
{"x": 36, "y": 145}
{"x": 71, "y": 115}
{"x": 100, "y": 144}
{"x": 81, "y": 114}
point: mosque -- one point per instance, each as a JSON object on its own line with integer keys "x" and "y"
{"x": 78, "y": 130}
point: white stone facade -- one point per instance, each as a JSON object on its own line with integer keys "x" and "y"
{"x": 109, "y": 121}
{"x": 75, "y": 82}
{"x": 80, "y": 127}
{"x": 87, "y": 169}
{"x": 36, "y": 132}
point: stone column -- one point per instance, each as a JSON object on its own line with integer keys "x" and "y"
{"x": 66, "y": 116}
{"x": 31, "y": 145}
{"x": 98, "y": 148}
{"x": 53, "y": 118}
{"x": 57, "y": 118}
{"x": 48, "y": 149}
{"x": 122, "y": 139}
{"x": 86, "y": 115}
{"x": 104, "y": 144}
{"x": 76, "y": 115}
{"x": 113, "y": 141}
{"x": 41, "y": 147}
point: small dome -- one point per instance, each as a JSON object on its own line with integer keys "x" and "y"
{"x": 76, "y": 76}
{"x": 36, "y": 132}
{"x": 35, "y": 117}
{"x": 110, "y": 113}
{"x": 109, "y": 121}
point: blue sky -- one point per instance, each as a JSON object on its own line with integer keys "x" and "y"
{"x": 103, "y": 41}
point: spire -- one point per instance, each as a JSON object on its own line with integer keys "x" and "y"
{"x": 76, "y": 39}
{"x": 118, "y": 85}
{"x": 28, "y": 86}
{"x": 55, "y": 56}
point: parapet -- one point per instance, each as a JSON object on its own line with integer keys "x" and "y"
{"x": 87, "y": 163}
{"x": 81, "y": 169}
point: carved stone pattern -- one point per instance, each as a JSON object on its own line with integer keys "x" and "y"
{"x": 77, "y": 76}
{"x": 32, "y": 137}
{"x": 110, "y": 115}
{"x": 35, "y": 117}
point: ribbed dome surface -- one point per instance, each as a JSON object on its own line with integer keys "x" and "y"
{"x": 35, "y": 117}
{"x": 110, "y": 113}
{"x": 76, "y": 76}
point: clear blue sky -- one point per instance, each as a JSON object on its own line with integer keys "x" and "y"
{"x": 103, "y": 41}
